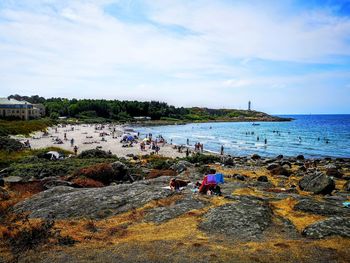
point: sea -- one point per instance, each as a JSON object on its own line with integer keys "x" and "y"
{"x": 314, "y": 136}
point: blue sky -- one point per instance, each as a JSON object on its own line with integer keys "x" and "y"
{"x": 285, "y": 56}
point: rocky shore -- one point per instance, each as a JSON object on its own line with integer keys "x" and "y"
{"x": 287, "y": 209}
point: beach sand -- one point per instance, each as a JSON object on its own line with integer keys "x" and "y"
{"x": 86, "y": 137}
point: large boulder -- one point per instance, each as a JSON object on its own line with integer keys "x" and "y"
{"x": 334, "y": 226}
{"x": 68, "y": 202}
{"x": 120, "y": 170}
{"x": 244, "y": 220}
{"x": 272, "y": 166}
{"x": 180, "y": 166}
{"x": 332, "y": 170}
{"x": 300, "y": 157}
{"x": 317, "y": 183}
{"x": 255, "y": 157}
{"x": 325, "y": 208}
{"x": 280, "y": 170}
{"x": 13, "y": 179}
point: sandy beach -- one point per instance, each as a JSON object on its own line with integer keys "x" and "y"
{"x": 87, "y": 137}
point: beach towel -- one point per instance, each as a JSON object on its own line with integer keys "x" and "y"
{"x": 346, "y": 204}
{"x": 219, "y": 178}
{"x": 211, "y": 179}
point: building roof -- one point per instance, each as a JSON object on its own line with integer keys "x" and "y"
{"x": 12, "y": 101}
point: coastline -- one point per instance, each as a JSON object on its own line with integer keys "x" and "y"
{"x": 182, "y": 122}
{"x": 82, "y": 131}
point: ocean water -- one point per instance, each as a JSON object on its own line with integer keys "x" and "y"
{"x": 307, "y": 135}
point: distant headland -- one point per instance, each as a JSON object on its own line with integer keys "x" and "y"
{"x": 101, "y": 110}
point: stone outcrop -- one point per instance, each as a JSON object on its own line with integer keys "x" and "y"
{"x": 334, "y": 226}
{"x": 68, "y": 202}
{"x": 317, "y": 183}
{"x": 322, "y": 208}
{"x": 244, "y": 220}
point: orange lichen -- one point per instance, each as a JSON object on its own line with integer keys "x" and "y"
{"x": 299, "y": 219}
{"x": 248, "y": 191}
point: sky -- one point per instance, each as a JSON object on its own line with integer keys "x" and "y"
{"x": 286, "y": 57}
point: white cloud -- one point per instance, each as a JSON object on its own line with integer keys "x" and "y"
{"x": 233, "y": 83}
{"x": 76, "y": 49}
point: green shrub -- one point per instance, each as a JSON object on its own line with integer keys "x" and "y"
{"x": 94, "y": 153}
{"x": 32, "y": 166}
{"x": 10, "y": 145}
{"x": 203, "y": 158}
{"x": 23, "y": 127}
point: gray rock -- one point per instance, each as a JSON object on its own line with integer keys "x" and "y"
{"x": 327, "y": 208}
{"x": 13, "y": 179}
{"x": 180, "y": 166}
{"x": 255, "y": 157}
{"x": 334, "y": 226}
{"x": 300, "y": 157}
{"x": 332, "y": 170}
{"x": 279, "y": 170}
{"x": 272, "y": 166}
{"x": 182, "y": 206}
{"x": 347, "y": 186}
{"x": 54, "y": 183}
{"x": 262, "y": 178}
{"x": 239, "y": 177}
{"x": 244, "y": 220}
{"x": 68, "y": 202}
{"x": 317, "y": 183}
{"x": 120, "y": 170}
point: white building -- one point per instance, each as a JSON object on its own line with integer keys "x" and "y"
{"x": 20, "y": 109}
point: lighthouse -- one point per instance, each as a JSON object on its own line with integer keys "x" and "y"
{"x": 249, "y": 105}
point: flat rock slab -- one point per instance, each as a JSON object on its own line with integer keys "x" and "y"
{"x": 244, "y": 220}
{"x": 13, "y": 179}
{"x": 180, "y": 207}
{"x": 327, "y": 208}
{"x": 67, "y": 202}
{"x": 334, "y": 226}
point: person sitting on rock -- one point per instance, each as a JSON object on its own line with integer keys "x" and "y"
{"x": 175, "y": 184}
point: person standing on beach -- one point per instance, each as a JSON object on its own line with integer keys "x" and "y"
{"x": 265, "y": 141}
{"x": 222, "y": 150}
{"x": 188, "y": 141}
{"x": 187, "y": 152}
{"x": 202, "y": 147}
{"x": 72, "y": 142}
{"x": 75, "y": 150}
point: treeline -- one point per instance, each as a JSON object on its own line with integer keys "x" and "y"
{"x": 116, "y": 110}
{"x": 107, "y": 109}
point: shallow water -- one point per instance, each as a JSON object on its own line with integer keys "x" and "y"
{"x": 314, "y": 132}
